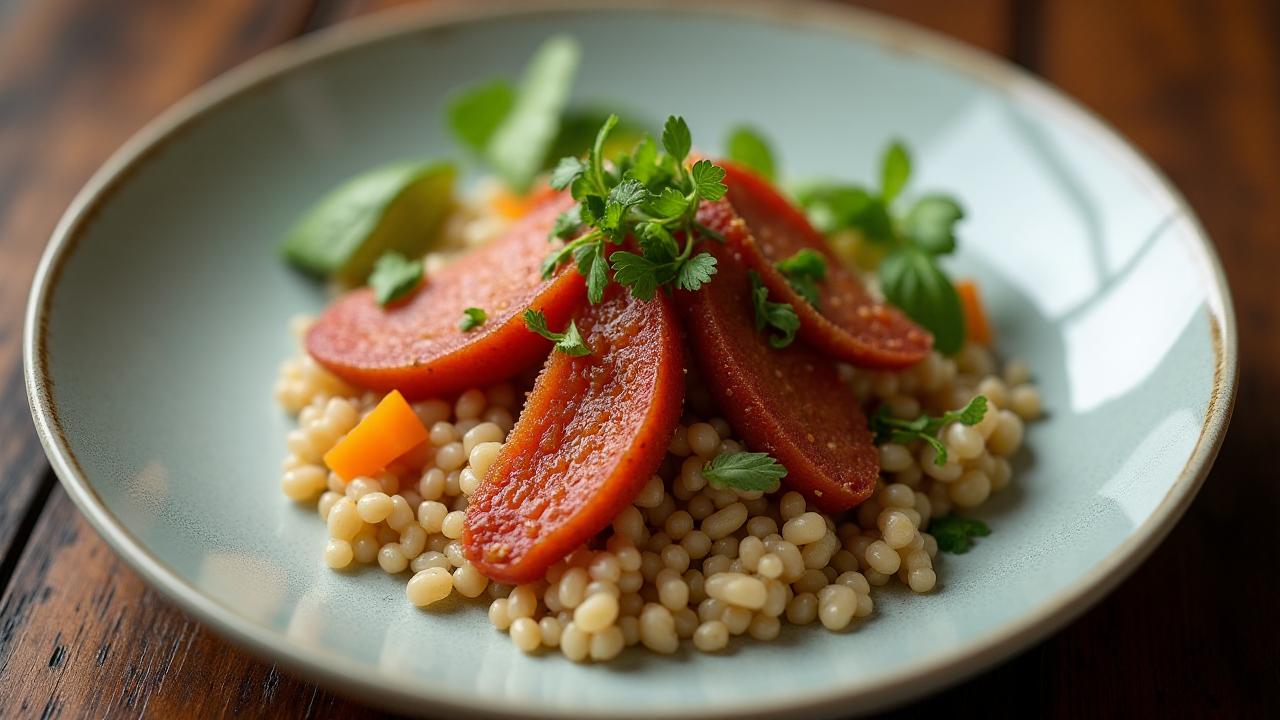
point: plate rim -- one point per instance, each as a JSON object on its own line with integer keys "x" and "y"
{"x": 893, "y": 35}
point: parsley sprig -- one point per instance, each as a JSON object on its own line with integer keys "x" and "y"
{"x": 472, "y": 318}
{"x": 955, "y": 534}
{"x": 569, "y": 342}
{"x": 804, "y": 271}
{"x": 394, "y": 277}
{"x": 912, "y": 242}
{"x": 778, "y": 316}
{"x": 890, "y": 429}
{"x": 745, "y": 471}
{"x": 649, "y": 195}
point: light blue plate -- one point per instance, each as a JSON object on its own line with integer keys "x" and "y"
{"x": 160, "y": 313}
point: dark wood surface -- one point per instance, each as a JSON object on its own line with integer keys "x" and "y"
{"x": 1193, "y": 633}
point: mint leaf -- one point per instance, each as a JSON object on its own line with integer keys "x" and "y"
{"x": 955, "y": 534}
{"x": 912, "y": 280}
{"x": 781, "y": 317}
{"x": 895, "y": 170}
{"x": 748, "y": 471}
{"x": 394, "y": 277}
{"x": 676, "y": 138}
{"x": 930, "y": 223}
{"x": 472, "y": 318}
{"x": 569, "y": 342}
{"x": 475, "y": 114}
{"x": 749, "y": 149}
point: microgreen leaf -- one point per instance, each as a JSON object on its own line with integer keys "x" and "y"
{"x": 955, "y": 534}
{"x": 676, "y": 138}
{"x": 912, "y": 280}
{"x": 804, "y": 270}
{"x": 569, "y": 342}
{"x": 748, "y": 471}
{"x": 748, "y": 148}
{"x": 472, "y": 318}
{"x": 781, "y": 317}
{"x": 394, "y": 277}
{"x": 895, "y": 170}
{"x": 930, "y": 223}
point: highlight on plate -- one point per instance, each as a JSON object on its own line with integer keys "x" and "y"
{"x": 631, "y": 394}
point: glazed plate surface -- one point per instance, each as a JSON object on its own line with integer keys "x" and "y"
{"x": 160, "y": 315}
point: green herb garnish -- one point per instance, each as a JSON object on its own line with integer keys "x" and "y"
{"x": 569, "y": 342}
{"x": 745, "y": 471}
{"x": 889, "y": 429}
{"x": 909, "y": 273}
{"x": 648, "y": 195}
{"x": 472, "y": 318}
{"x": 394, "y": 276}
{"x": 955, "y": 534}
{"x": 779, "y": 316}
{"x": 748, "y": 148}
{"x": 804, "y": 271}
{"x": 513, "y": 128}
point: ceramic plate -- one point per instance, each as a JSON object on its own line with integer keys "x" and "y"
{"x": 160, "y": 314}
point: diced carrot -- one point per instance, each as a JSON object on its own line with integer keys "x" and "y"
{"x": 511, "y": 205}
{"x": 789, "y": 403}
{"x": 416, "y": 346}
{"x": 849, "y": 324}
{"x": 977, "y": 327}
{"x": 391, "y": 430}
{"x": 593, "y": 432}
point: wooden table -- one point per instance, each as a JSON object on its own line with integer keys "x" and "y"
{"x": 1195, "y": 84}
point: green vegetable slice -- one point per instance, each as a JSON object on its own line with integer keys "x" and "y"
{"x": 393, "y": 208}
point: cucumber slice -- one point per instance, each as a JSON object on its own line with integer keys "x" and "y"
{"x": 397, "y": 207}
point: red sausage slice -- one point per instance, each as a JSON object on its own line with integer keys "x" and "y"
{"x": 417, "y": 347}
{"x": 789, "y": 403}
{"x": 592, "y": 433}
{"x": 851, "y": 325}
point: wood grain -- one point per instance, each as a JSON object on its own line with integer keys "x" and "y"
{"x": 1189, "y": 635}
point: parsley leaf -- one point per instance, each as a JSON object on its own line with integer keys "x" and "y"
{"x": 955, "y": 534}
{"x": 925, "y": 428}
{"x": 696, "y": 272}
{"x": 569, "y": 342}
{"x": 745, "y": 471}
{"x": 804, "y": 271}
{"x": 779, "y": 316}
{"x": 895, "y": 169}
{"x": 566, "y": 172}
{"x": 749, "y": 149}
{"x": 708, "y": 180}
{"x": 648, "y": 196}
{"x": 676, "y": 138}
{"x": 394, "y": 277}
{"x": 472, "y": 318}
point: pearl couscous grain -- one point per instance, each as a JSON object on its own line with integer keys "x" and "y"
{"x": 687, "y": 560}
